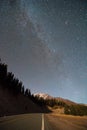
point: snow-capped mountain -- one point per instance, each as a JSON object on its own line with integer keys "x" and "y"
{"x": 47, "y": 96}
{"x": 43, "y": 95}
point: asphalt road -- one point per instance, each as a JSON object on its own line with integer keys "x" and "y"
{"x": 42, "y": 122}
{"x": 25, "y": 122}
{"x": 21, "y": 122}
{"x": 63, "y": 122}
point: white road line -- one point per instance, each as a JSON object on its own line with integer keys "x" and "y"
{"x": 42, "y": 128}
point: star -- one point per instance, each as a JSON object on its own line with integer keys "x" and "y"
{"x": 66, "y": 22}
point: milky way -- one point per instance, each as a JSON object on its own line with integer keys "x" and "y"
{"x": 44, "y": 43}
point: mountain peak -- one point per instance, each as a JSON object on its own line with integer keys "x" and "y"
{"x": 43, "y": 95}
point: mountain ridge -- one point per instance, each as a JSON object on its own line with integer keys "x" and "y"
{"x": 46, "y": 96}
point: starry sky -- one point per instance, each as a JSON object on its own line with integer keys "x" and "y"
{"x": 44, "y": 43}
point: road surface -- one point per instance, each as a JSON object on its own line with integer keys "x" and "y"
{"x": 41, "y": 122}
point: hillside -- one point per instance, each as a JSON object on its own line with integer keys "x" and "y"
{"x": 10, "y": 104}
{"x": 66, "y": 101}
{"x": 62, "y": 106}
{"x": 58, "y": 99}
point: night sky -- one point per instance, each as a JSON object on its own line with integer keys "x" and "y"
{"x": 44, "y": 43}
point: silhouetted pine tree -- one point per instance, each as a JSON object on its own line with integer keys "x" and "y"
{"x": 8, "y": 80}
{"x": 27, "y": 92}
{"x": 22, "y": 90}
{"x": 3, "y": 72}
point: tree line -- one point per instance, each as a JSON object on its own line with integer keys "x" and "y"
{"x": 76, "y": 110}
{"x": 9, "y": 81}
{"x": 15, "y": 86}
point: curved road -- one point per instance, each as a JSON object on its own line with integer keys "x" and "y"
{"x": 42, "y": 122}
